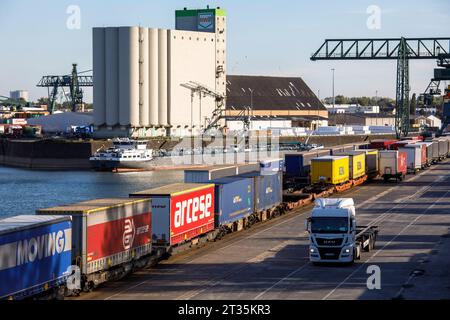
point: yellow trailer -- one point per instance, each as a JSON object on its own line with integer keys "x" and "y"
{"x": 372, "y": 166}
{"x": 357, "y": 163}
{"x": 330, "y": 169}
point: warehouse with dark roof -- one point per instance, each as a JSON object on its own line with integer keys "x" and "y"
{"x": 273, "y": 99}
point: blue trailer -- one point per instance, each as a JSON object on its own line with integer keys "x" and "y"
{"x": 298, "y": 164}
{"x": 35, "y": 254}
{"x": 268, "y": 190}
{"x": 233, "y": 202}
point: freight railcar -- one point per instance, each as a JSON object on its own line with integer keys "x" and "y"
{"x": 234, "y": 203}
{"x": 357, "y": 163}
{"x": 35, "y": 255}
{"x": 333, "y": 170}
{"x": 393, "y": 164}
{"x": 182, "y": 214}
{"x": 108, "y": 236}
{"x": 268, "y": 194}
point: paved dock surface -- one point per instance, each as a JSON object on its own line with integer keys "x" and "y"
{"x": 270, "y": 260}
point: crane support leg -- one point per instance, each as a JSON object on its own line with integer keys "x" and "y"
{"x": 402, "y": 92}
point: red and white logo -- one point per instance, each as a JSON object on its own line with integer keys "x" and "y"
{"x": 192, "y": 210}
{"x": 128, "y": 234}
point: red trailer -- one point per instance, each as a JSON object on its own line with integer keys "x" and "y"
{"x": 400, "y": 144}
{"x": 107, "y": 234}
{"x": 182, "y": 212}
{"x": 381, "y": 144}
{"x": 393, "y": 164}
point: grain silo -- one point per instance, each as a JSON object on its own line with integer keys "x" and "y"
{"x": 143, "y": 78}
{"x": 98, "y": 39}
{"x": 111, "y": 75}
{"x": 153, "y": 76}
{"x": 138, "y": 82}
{"x": 129, "y": 76}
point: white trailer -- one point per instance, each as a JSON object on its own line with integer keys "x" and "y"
{"x": 413, "y": 157}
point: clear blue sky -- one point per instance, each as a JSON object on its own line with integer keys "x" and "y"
{"x": 265, "y": 37}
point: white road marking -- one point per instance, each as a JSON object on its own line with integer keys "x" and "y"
{"x": 388, "y": 243}
{"x": 379, "y": 219}
{"x": 296, "y": 215}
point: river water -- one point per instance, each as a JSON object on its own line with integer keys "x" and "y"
{"x": 23, "y": 191}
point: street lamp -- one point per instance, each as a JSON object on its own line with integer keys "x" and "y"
{"x": 333, "y": 89}
{"x": 251, "y": 106}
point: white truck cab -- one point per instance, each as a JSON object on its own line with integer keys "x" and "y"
{"x": 333, "y": 233}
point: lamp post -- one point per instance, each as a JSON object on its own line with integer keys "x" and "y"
{"x": 318, "y": 96}
{"x": 333, "y": 88}
{"x": 251, "y": 105}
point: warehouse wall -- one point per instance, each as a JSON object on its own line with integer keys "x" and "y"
{"x": 191, "y": 58}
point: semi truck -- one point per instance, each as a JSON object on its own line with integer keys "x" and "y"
{"x": 334, "y": 235}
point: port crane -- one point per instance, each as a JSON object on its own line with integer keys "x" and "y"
{"x": 442, "y": 73}
{"x": 73, "y": 81}
{"x": 400, "y": 49}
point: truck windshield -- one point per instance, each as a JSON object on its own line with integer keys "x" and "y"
{"x": 329, "y": 225}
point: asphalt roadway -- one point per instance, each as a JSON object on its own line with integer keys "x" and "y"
{"x": 270, "y": 260}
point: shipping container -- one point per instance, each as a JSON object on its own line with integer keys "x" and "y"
{"x": 206, "y": 174}
{"x": 242, "y": 168}
{"x": 442, "y": 147}
{"x": 357, "y": 163}
{"x": 381, "y": 144}
{"x": 330, "y": 169}
{"x": 372, "y": 168}
{"x": 299, "y": 164}
{"x": 180, "y": 211}
{"x": 400, "y": 144}
{"x": 348, "y": 147}
{"x": 322, "y": 152}
{"x": 35, "y": 254}
{"x": 392, "y": 164}
{"x": 413, "y": 157}
{"x": 271, "y": 166}
{"x": 107, "y": 232}
{"x": 335, "y": 149}
{"x": 268, "y": 190}
{"x": 434, "y": 150}
{"x": 361, "y": 145}
{"x": 234, "y": 200}
{"x": 428, "y": 146}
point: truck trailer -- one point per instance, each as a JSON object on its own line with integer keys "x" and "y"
{"x": 334, "y": 234}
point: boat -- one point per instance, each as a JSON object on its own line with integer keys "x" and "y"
{"x": 125, "y": 154}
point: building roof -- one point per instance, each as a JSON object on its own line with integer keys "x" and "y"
{"x": 270, "y": 93}
{"x": 59, "y": 122}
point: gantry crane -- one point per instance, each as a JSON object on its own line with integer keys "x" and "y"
{"x": 400, "y": 49}
{"x": 73, "y": 81}
{"x": 440, "y": 74}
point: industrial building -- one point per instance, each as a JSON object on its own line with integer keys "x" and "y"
{"x": 351, "y": 108}
{"x": 272, "y": 102}
{"x": 19, "y": 94}
{"x": 147, "y": 80}
{"x": 362, "y": 119}
{"x": 62, "y": 122}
